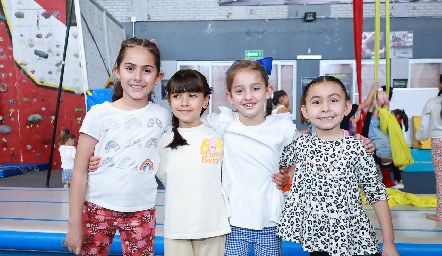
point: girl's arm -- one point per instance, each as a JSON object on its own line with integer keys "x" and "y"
{"x": 376, "y": 195}
{"x": 423, "y": 132}
{"x": 290, "y": 171}
{"x": 370, "y": 96}
{"x": 283, "y": 179}
{"x": 77, "y": 191}
{"x": 286, "y": 166}
{"x": 384, "y": 217}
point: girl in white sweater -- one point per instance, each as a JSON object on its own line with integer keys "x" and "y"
{"x": 252, "y": 146}
{"x": 431, "y": 127}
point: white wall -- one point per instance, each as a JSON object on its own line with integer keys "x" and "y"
{"x": 100, "y": 40}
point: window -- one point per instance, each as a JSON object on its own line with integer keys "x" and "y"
{"x": 344, "y": 70}
{"x": 367, "y": 76}
{"x": 424, "y": 73}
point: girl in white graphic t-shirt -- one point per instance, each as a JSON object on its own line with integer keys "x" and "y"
{"x": 196, "y": 220}
{"x": 120, "y": 194}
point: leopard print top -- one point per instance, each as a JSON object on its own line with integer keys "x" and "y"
{"x": 323, "y": 210}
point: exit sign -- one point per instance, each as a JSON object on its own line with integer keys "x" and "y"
{"x": 254, "y": 54}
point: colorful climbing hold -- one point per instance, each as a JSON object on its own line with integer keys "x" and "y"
{"x": 41, "y": 54}
{"x": 35, "y": 118}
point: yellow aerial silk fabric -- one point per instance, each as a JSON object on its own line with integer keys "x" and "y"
{"x": 400, "y": 150}
{"x": 395, "y": 196}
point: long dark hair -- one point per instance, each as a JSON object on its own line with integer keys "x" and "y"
{"x": 401, "y": 117}
{"x": 185, "y": 80}
{"x": 125, "y": 46}
{"x": 274, "y": 101}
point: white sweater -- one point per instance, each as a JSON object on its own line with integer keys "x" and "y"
{"x": 431, "y": 121}
{"x": 251, "y": 156}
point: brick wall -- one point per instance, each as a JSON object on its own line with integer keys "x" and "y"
{"x": 175, "y": 10}
{"x": 120, "y": 9}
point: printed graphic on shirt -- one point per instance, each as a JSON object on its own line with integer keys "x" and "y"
{"x": 133, "y": 123}
{"x": 147, "y": 165}
{"x": 133, "y": 142}
{"x": 108, "y": 161}
{"x": 151, "y": 142}
{"x": 159, "y": 123}
{"x": 128, "y": 164}
{"x": 211, "y": 150}
{"x": 111, "y": 145}
{"x": 151, "y": 122}
{"x": 110, "y": 124}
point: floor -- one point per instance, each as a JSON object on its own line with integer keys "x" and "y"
{"x": 29, "y": 209}
{"x": 415, "y": 182}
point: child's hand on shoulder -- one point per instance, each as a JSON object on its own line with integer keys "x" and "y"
{"x": 367, "y": 143}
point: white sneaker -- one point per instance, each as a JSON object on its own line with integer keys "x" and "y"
{"x": 398, "y": 186}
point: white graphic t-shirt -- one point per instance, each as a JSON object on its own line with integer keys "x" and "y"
{"x": 127, "y": 144}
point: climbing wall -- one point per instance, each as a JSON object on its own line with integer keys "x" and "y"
{"x": 32, "y": 35}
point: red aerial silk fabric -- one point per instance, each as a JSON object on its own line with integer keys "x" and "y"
{"x": 358, "y": 24}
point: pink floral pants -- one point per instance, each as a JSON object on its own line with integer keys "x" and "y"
{"x": 137, "y": 231}
{"x": 436, "y": 155}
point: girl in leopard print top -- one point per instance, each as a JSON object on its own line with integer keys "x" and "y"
{"x": 323, "y": 211}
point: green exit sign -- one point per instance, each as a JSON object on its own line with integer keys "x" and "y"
{"x": 254, "y": 54}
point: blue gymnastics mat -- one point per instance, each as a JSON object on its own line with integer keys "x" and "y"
{"x": 34, "y": 221}
{"x": 52, "y": 244}
{"x": 11, "y": 169}
{"x": 422, "y": 161}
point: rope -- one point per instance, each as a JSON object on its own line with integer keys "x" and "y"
{"x": 96, "y": 45}
{"x": 387, "y": 45}
{"x": 377, "y": 28}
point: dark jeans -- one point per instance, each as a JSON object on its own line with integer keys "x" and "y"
{"x": 326, "y": 254}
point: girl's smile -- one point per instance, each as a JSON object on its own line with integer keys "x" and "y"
{"x": 187, "y": 107}
{"x": 326, "y": 106}
{"x": 138, "y": 76}
{"x": 249, "y": 95}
